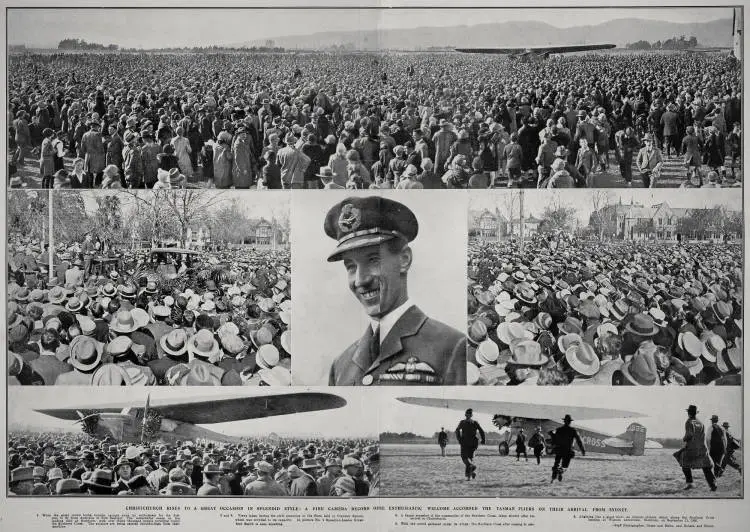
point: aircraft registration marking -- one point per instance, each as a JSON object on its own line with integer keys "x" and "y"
{"x": 593, "y": 442}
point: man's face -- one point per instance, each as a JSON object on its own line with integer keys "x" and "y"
{"x": 377, "y": 277}
{"x": 125, "y": 472}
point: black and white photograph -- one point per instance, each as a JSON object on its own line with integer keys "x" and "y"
{"x": 188, "y": 287}
{"x": 128, "y": 442}
{"x": 376, "y": 278}
{"x": 632, "y": 288}
{"x": 375, "y": 98}
{"x": 473, "y": 442}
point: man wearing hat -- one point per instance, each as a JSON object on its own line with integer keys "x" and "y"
{"x": 211, "y": 478}
{"x": 21, "y": 481}
{"x": 717, "y": 447}
{"x": 649, "y": 161}
{"x": 466, "y": 435}
{"x": 264, "y": 485}
{"x": 85, "y": 357}
{"x": 354, "y": 469}
{"x": 87, "y": 466}
{"x": 442, "y": 440}
{"x": 178, "y": 484}
{"x": 562, "y": 440}
{"x": 694, "y": 455}
{"x": 326, "y": 176}
{"x": 93, "y": 153}
{"x": 99, "y": 482}
{"x": 373, "y": 465}
{"x": 159, "y": 478}
{"x": 303, "y": 482}
{"x": 293, "y": 163}
{"x": 172, "y": 351}
{"x": 328, "y": 479}
{"x": 401, "y": 345}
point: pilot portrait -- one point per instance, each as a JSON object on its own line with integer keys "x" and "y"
{"x": 400, "y": 344}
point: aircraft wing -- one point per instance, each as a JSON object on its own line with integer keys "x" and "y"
{"x": 525, "y": 410}
{"x": 220, "y": 410}
{"x": 538, "y": 50}
{"x": 651, "y": 444}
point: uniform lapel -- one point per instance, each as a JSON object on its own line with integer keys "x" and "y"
{"x": 361, "y": 357}
{"x": 408, "y": 325}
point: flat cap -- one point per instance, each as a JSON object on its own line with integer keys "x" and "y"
{"x": 358, "y": 222}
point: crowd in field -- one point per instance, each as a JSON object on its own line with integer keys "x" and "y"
{"x": 147, "y": 317}
{"x": 325, "y": 120}
{"x": 60, "y": 464}
{"x": 616, "y": 313}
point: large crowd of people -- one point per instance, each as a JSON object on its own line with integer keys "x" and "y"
{"x": 64, "y": 464}
{"x": 147, "y": 317}
{"x": 335, "y": 120}
{"x": 609, "y": 313}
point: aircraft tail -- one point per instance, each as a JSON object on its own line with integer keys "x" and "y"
{"x": 637, "y": 434}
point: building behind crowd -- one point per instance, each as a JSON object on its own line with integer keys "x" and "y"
{"x": 492, "y": 226}
{"x": 634, "y": 221}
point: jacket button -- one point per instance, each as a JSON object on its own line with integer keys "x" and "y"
{"x": 367, "y": 380}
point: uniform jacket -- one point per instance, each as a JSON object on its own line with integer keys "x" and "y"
{"x": 413, "y": 342}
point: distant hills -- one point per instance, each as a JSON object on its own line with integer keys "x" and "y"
{"x": 511, "y": 34}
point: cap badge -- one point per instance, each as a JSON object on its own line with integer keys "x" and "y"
{"x": 350, "y": 218}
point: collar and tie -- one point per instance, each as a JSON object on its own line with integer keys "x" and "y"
{"x": 374, "y": 344}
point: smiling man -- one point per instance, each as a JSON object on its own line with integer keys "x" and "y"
{"x": 401, "y": 345}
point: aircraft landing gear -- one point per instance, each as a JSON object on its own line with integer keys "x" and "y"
{"x": 503, "y": 449}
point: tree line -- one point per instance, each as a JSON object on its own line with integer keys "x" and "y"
{"x": 81, "y": 44}
{"x": 675, "y": 43}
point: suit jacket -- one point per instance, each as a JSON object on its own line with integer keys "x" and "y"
{"x": 645, "y": 162}
{"x": 49, "y": 367}
{"x": 208, "y": 489}
{"x": 418, "y": 350}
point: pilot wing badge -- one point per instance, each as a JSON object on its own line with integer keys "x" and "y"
{"x": 412, "y": 371}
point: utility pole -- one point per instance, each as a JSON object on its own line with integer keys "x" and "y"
{"x": 51, "y": 248}
{"x": 520, "y": 211}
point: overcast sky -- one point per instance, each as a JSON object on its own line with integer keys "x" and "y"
{"x": 356, "y": 419}
{"x": 664, "y": 407}
{"x": 580, "y": 199}
{"x": 153, "y": 28}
